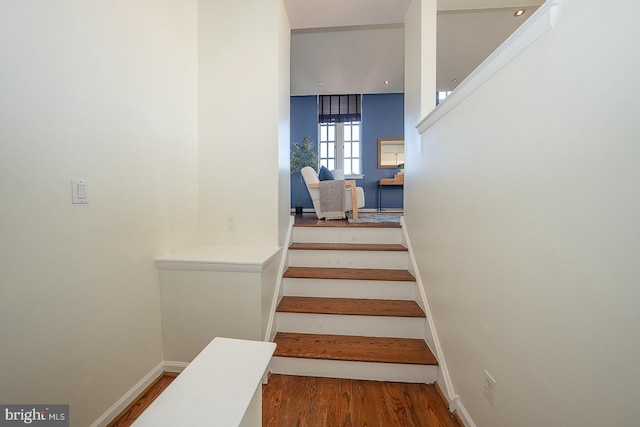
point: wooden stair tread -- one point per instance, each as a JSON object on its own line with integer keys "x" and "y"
{"x": 354, "y": 348}
{"x": 349, "y": 247}
{"x": 349, "y": 274}
{"x": 346, "y": 224}
{"x": 350, "y": 306}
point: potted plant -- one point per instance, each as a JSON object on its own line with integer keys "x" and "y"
{"x": 400, "y": 174}
{"x": 303, "y": 154}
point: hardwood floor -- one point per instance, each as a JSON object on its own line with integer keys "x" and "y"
{"x": 290, "y": 401}
{"x": 137, "y": 407}
{"x": 309, "y": 219}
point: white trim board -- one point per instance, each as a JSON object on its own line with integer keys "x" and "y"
{"x": 177, "y": 367}
{"x": 243, "y": 259}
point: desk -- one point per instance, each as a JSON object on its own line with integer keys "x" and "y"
{"x": 387, "y": 182}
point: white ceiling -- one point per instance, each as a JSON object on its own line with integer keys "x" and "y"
{"x": 354, "y": 60}
{"x": 344, "y": 13}
{"x": 353, "y": 46}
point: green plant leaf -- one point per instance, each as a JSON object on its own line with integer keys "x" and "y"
{"x": 304, "y": 154}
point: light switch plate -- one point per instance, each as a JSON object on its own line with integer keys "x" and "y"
{"x": 79, "y": 192}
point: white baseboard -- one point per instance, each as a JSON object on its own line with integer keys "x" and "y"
{"x": 170, "y": 366}
{"x": 462, "y": 412}
{"x": 135, "y": 391}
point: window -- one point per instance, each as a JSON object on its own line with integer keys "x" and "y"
{"x": 339, "y": 125}
{"x": 340, "y": 147}
{"x": 327, "y": 154}
{"x": 442, "y": 95}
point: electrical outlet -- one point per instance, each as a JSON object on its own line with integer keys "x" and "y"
{"x": 490, "y": 388}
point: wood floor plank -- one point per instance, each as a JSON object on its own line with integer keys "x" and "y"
{"x": 144, "y": 399}
{"x": 371, "y": 247}
{"x": 291, "y": 401}
{"x": 400, "y": 406}
{"x": 372, "y": 408}
{"x": 438, "y": 405}
{"x": 354, "y": 348}
{"x": 350, "y": 306}
{"x": 349, "y": 274}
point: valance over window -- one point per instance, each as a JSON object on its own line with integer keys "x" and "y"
{"x": 339, "y": 108}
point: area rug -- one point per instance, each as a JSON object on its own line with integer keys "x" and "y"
{"x": 375, "y": 218}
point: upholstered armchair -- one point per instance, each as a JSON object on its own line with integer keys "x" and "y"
{"x": 353, "y": 196}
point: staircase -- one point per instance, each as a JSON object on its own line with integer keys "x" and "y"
{"x": 348, "y": 308}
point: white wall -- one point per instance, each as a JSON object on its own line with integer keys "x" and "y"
{"x": 466, "y": 38}
{"x": 242, "y": 118}
{"x": 420, "y": 30}
{"x": 412, "y": 86}
{"x": 524, "y": 218}
{"x": 105, "y": 91}
{"x": 198, "y": 306}
{"x": 419, "y": 77}
{"x": 284, "y": 123}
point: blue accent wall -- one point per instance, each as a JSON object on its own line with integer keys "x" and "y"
{"x": 304, "y": 122}
{"x": 382, "y": 117}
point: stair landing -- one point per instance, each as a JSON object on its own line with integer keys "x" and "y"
{"x": 311, "y": 220}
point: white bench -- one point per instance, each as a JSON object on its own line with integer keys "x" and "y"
{"x": 221, "y": 387}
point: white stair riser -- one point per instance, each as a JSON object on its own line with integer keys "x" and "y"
{"x": 425, "y": 374}
{"x": 348, "y": 259}
{"x": 367, "y": 289}
{"x": 346, "y": 235}
{"x": 369, "y": 326}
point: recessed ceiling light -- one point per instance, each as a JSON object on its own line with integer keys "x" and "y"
{"x": 519, "y": 12}
{"x": 454, "y": 81}
{"x": 387, "y": 82}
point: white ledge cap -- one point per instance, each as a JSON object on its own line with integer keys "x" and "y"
{"x": 216, "y": 389}
{"x": 250, "y": 259}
